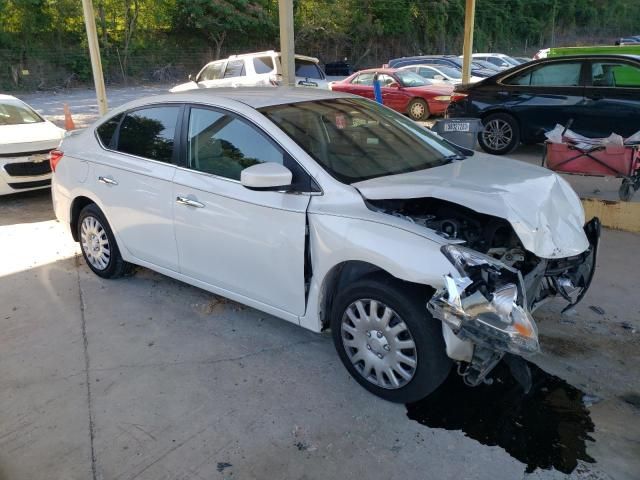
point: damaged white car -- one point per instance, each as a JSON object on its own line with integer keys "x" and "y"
{"x": 331, "y": 211}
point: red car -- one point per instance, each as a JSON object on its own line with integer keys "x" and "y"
{"x": 404, "y": 91}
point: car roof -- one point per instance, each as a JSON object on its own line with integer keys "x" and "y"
{"x": 592, "y": 55}
{"x": 255, "y": 97}
{"x": 379, "y": 70}
{"x": 7, "y": 97}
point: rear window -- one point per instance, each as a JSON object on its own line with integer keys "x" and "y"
{"x": 263, "y": 64}
{"x": 107, "y": 129}
{"x": 15, "y": 112}
{"x": 308, "y": 69}
{"x": 549, "y": 75}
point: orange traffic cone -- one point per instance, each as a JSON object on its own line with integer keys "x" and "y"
{"x": 68, "y": 120}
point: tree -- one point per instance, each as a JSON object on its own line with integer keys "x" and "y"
{"x": 217, "y": 19}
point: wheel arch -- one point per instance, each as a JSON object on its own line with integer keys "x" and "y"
{"x": 347, "y": 272}
{"x": 77, "y": 205}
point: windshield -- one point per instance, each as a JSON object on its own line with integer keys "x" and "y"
{"x": 356, "y": 139}
{"x": 15, "y": 112}
{"x": 411, "y": 79}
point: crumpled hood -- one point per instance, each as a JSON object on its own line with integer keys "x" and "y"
{"x": 543, "y": 209}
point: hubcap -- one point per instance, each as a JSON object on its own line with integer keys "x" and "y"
{"x": 95, "y": 243}
{"x": 497, "y": 134}
{"x": 417, "y": 110}
{"x": 379, "y": 344}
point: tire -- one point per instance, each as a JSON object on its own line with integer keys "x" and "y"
{"x": 408, "y": 322}
{"x": 418, "y": 110}
{"x": 501, "y": 134}
{"x": 627, "y": 190}
{"x": 98, "y": 245}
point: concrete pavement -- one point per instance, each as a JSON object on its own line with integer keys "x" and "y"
{"x": 148, "y": 378}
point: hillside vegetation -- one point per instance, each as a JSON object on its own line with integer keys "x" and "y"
{"x": 43, "y": 44}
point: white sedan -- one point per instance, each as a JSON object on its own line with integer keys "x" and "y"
{"x": 25, "y": 141}
{"x": 331, "y": 211}
{"x": 440, "y": 74}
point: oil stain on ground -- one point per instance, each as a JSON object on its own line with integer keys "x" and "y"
{"x": 545, "y": 428}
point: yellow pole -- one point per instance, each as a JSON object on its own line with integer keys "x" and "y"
{"x": 287, "y": 48}
{"x": 467, "y": 50}
{"x": 94, "y": 52}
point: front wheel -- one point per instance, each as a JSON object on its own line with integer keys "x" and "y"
{"x": 501, "y": 134}
{"x": 627, "y": 190}
{"x": 387, "y": 339}
{"x": 418, "y": 110}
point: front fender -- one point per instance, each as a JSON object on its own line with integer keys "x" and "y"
{"x": 405, "y": 255}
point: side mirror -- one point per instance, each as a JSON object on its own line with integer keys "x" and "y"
{"x": 192, "y": 78}
{"x": 268, "y": 176}
{"x": 438, "y": 77}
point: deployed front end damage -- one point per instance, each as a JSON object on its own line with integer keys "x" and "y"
{"x": 489, "y": 303}
{"x": 496, "y": 283}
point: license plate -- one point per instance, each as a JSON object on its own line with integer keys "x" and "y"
{"x": 457, "y": 127}
{"x": 307, "y": 84}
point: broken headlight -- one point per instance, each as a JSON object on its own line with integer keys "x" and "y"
{"x": 486, "y": 304}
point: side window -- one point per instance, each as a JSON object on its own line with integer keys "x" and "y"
{"x": 224, "y": 145}
{"x": 107, "y": 129}
{"x": 615, "y": 74}
{"x": 427, "y": 73}
{"x": 363, "y": 79}
{"x": 235, "y": 68}
{"x": 263, "y": 64}
{"x": 385, "y": 80}
{"x": 212, "y": 72}
{"x": 549, "y": 75}
{"x": 149, "y": 133}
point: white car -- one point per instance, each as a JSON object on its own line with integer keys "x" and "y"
{"x": 25, "y": 141}
{"x": 255, "y": 69}
{"x": 331, "y": 211}
{"x": 500, "y": 60}
{"x": 440, "y": 74}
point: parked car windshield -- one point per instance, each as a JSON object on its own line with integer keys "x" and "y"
{"x": 307, "y": 69}
{"x": 411, "y": 79}
{"x": 356, "y": 139}
{"x": 14, "y": 112}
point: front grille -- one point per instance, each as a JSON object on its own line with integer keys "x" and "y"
{"x": 27, "y": 169}
{"x": 23, "y": 185}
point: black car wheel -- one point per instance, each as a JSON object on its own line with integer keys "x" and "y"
{"x": 501, "y": 134}
{"x": 387, "y": 339}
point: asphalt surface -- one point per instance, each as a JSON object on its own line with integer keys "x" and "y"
{"x": 149, "y": 378}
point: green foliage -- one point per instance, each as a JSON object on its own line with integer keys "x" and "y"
{"x": 165, "y": 39}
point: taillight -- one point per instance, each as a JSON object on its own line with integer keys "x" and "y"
{"x": 54, "y": 157}
{"x": 458, "y": 97}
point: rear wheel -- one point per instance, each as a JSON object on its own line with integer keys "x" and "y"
{"x": 418, "y": 110}
{"x": 387, "y": 340}
{"x": 627, "y": 190}
{"x": 501, "y": 134}
{"x": 99, "y": 247}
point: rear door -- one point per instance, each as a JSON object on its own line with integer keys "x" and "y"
{"x": 544, "y": 95}
{"x": 245, "y": 244}
{"x": 612, "y": 102}
{"x": 132, "y": 177}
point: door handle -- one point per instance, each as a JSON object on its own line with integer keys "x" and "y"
{"x": 107, "y": 180}
{"x": 188, "y": 202}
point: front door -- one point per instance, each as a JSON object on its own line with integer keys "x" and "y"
{"x": 247, "y": 243}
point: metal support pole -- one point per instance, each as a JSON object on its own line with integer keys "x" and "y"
{"x": 287, "y": 47}
{"x": 94, "y": 52}
{"x": 467, "y": 49}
